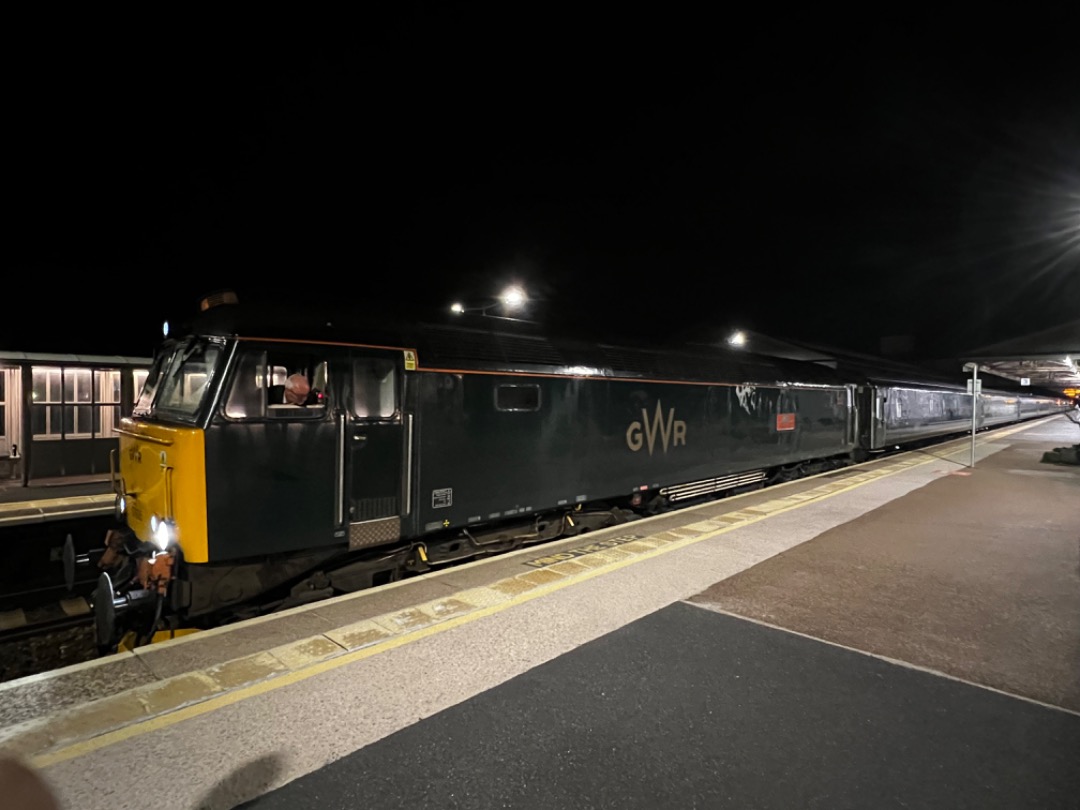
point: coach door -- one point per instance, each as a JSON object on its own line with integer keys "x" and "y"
{"x": 374, "y": 436}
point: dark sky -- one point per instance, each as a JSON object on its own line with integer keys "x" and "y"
{"x": 829, "y": 180}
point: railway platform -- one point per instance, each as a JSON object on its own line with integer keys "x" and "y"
{"x": 54, "y": 500}
{"x": 905, "y": 633}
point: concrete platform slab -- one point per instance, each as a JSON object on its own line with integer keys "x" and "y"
{"x": 690, "y": 709}
{"x": 977, "y": 576}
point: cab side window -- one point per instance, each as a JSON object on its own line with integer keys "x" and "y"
{"x": 374, "y": 387}
{"x": 278, "y": 384}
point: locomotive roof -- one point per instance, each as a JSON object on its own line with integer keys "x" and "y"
{"x": 500, "y": 344}
{"x": 484, "y": 343}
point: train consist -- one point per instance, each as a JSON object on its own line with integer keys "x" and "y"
{"x": 266, "y": 464}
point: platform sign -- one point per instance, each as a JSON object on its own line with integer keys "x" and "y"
{"x": 1025, "y": 380}
{"x": 978, "y": 386}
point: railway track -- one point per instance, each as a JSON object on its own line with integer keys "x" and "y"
{"x": 45, "y": 638}
{"x": 48, "y": 575}
{"x": 22, "y": 623}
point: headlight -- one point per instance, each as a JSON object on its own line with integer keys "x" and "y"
{"x": 162, "y": 532}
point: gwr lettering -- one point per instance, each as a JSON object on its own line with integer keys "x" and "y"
{"x": 643, "y": 433}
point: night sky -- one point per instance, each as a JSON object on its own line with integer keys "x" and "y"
{"x": 829, "y": 181}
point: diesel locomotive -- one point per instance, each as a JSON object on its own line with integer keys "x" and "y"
{"x": 410, "y": 447}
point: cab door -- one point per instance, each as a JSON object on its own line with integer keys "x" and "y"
{"x": 374, "y": 434}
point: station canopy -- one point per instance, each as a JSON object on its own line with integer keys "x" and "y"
{"x": 1047, "y": 359}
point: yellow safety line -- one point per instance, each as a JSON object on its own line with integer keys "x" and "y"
{"x": 276, "y": 682}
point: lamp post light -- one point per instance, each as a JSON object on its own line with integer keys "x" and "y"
{"x": 512, "y": 299}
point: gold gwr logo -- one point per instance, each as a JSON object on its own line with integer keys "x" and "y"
{"x": 643, "y": 433}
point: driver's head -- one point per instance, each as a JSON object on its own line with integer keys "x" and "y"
{"x": 296, "y": 389}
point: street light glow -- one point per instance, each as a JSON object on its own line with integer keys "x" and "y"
{"x": 513, "y": 298}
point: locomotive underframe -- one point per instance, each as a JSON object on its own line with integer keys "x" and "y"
{"x": 207, "y": 595}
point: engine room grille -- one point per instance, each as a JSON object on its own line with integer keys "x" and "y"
{"x": 372, "y": 508}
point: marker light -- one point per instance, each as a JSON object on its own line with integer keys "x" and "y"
{"x": 165, "y": 329}
{"x": 120, "y": 507}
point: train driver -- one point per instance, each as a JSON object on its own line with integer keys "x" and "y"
{"x": 298, "y": 391}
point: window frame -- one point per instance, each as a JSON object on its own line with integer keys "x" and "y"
{"x": 268, "y": 361}
{"x": 499, "y": 387}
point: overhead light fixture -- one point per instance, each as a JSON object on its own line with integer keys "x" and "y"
{"x": 513, "y": 297}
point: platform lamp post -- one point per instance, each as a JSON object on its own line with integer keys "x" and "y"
{"x": 512, "y": 299}
{"x": 974, "y": 388}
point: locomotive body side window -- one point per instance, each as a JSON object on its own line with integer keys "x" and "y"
{"x": 517, "y": 397}
{"x": 374, "y": 387}
{"x": 275, "y": 384}
{"x": 247, "y": 396}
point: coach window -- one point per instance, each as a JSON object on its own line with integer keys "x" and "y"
{"x": 374, "y": 388}
{"x": 62, "y": 403}
{"x": 46, "y": 412}
{"x": 107, "y": 397}
{"x": 517, "y": 397}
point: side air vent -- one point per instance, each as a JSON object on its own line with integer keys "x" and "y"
{"x": 696, "y": 489}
